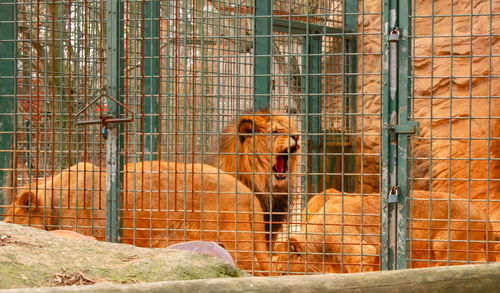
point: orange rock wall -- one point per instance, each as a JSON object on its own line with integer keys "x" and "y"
{"x": 456, "y": 97}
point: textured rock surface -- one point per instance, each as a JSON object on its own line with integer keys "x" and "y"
{"x": 461, "y": 69}
{"x": 33, "y": 258}
{"x": 455, "y": 73}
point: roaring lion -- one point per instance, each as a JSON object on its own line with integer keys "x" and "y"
{"x": 261, "y": 150}
{"x": 454, "y": 232}
{"x": 162, "y": 204}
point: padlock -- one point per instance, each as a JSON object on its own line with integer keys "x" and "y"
{"x": 393, "y": 195}
{"x": 104, "y": 132}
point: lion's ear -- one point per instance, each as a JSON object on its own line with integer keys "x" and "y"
{"x": 295, "y": 245}
{"x": 245, "y": 127}
{"x": 26, "y": 199}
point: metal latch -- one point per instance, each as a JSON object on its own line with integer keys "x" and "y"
{"x": 105, "y": 119}
{"x": 409, "y": 127}
{"x": 393, "y": 195}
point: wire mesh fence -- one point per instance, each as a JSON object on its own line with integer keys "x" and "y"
{"x": 455, "y": 101}
{"x": 258, "y": 125}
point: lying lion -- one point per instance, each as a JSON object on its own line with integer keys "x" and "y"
{"x": 162, "y": 204}
{"x": 174, "y": 203}
{"x": 75, "y": 200}
{"x": 455, "y": 232}
{"x": 333, "y": 243}
{"x": 261, "y": 150}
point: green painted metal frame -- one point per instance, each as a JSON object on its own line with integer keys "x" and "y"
{"x": 265, "y": 24}
{"x": 294, "y": 27}
{"x": 151, "y": 53}
{"x": 262, "y": 59}
{"x": 349, "y": 85}
{"x": 389, "y": 147}
{"x": 350, "y": 26}
{"x": 7, "y": 87}
{"x": 404, "y": 116}
{"x": 312, "y": 105}
{"x": 395, "y": 132}
{"x": 114, "y": 142}
{"x": 389, "y": 144}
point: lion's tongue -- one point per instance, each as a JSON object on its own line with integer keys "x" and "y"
{"x": 280, "y": 164}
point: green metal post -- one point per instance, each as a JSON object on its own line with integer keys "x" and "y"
{"x": 312, "y": 106}
{"x": 350, "y": 84}
{"x": 389, "y": 141}
{"x": 395, "y": 132}
{"x": 151, "y": 78}
{"x": 113, "y": 143}
{"x": 262, "y": 59}
{"x": 7, "y": 89}
{"x": 403, "y": 112}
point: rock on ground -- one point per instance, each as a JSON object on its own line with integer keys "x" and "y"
{"x": 32, "y": 258}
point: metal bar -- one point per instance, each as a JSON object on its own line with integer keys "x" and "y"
{"x": 407, "y": 128}
{"x": 262, "y": 59}
{"x": 312, "y": 63}
{"x": 305, "y": 133}
{"x": 102, "y": 96}
{"x": 7, "y": 90}
{"x": 294, "y": 27}
{"x": 113, "y": 143}
{"x": 389, "y": 140}
{"x": 151, "y": 78}
{"x": 350, "y": 83}
{"x": 403, "y": 112}
{"x": 396, "y": 130}
{"x": 105, "y": 121}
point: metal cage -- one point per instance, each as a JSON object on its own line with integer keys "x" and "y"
{"x": 114, "y": 111}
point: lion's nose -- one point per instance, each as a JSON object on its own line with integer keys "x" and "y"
{"x": 293, "y": 149}
{"x": 296, "y": 138}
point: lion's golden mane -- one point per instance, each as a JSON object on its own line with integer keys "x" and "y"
{"x": 260, "y": 149}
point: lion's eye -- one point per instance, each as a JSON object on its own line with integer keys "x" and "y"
{"x": 275, "y": 131}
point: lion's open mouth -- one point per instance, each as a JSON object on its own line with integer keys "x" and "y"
{"x": 280, "y": 168}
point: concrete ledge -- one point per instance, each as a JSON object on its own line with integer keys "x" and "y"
{"x": 467, "y": 278}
